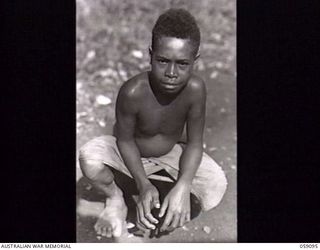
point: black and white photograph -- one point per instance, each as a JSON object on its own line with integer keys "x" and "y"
{"x": 156, "y": 121}
{"x": 172, "y": 121}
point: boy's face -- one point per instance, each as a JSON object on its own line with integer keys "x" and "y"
{"x": 172, "y": 63}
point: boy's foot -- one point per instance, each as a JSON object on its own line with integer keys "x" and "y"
{"x": 112, "y": 220}
{"x": 89, "y": 208}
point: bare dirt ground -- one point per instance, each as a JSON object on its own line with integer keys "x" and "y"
{"x": 112, "y": 45}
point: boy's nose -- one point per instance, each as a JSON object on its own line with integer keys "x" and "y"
{"x": 171, "y": 71}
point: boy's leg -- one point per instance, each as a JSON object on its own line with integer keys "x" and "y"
{"x": 111, "y": 221}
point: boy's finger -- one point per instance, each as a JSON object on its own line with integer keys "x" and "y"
{"x": 146, "y": 207}
{"x": 151, "y": 218}
{"x": 139, "y": 211}
{"x": 138, "y": 222}
{"x": 143, "y": 220}
{"x": 163, "y": 207}
{"x": 156, "y": 201}
{"x": 147, "y": 212}
{"x": 167, "y": 221}
{"x": 182, "y": 220}
{"x": 175, "y": 221}
{"x": 188, "y": 217}
{"x": 142, "y": 231}
{"x": 147, "y": 224}
{"x": 142, "y": 228}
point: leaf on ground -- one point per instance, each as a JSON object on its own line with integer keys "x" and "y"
{"x": 219, "y": 65}
{"x": 103, "y": 100}
{"x": 91, "y": 54}
{"x": 102, "y": 123}
{"x": 137, "y": 53}
{"x": 185, "y": 228}
{"x": 216, "y": 36}
{"x": 214, "y": 74}
{"x": 206, "y": 229}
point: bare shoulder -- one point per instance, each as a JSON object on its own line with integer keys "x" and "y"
{"x": 134, "y": 87}
{"x": 197, "y": 88}
{"x": 132, "y": 91}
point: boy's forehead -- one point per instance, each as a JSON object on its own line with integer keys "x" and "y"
{"x": 174, "y": 43}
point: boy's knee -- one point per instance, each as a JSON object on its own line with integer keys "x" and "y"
{"x": 90, "y": 168}
{"x": 95, "y": 171}
{"x": 215, "y": 192}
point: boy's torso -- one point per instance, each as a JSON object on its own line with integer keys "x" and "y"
{"x": 159, "y": 127}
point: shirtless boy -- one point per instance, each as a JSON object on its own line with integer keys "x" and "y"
{"x": 152, "y": 109}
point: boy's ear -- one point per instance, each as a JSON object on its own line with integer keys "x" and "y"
{"x": 197, "y": 56}
{"x": 150, "y": 53}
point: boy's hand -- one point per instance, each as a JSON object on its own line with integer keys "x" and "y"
{"x": 148, "y": 199}
{"x": 177, "y": 204}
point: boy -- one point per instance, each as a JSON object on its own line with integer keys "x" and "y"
{"x": 152, "y": 109}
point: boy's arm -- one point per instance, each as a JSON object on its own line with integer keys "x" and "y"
{"x": 179, "y": 197}
{"x": 126, "y": 112}
{"x": 192, "y": 154}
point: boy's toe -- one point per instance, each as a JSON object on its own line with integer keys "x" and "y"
{"x": 103, "y": 231}
{"x": 109, "y": 232}
{"x": 97, "y": 229}
{"x": 117, "y": 230}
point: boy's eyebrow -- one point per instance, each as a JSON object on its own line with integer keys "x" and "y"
{"x": 161, "y": 57}
{"x": 180, "y": 60}
{"x": 183, "y": 60}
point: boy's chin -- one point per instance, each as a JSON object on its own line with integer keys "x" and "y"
{"x": 170, "y": 91}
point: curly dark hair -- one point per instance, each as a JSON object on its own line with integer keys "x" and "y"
{"x": 177, "y": 23}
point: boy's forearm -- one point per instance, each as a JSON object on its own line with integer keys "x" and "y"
{"x": 189, "y": 163}
{"x": 131, "y": 157}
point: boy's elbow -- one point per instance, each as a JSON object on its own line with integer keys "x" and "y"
{"x": 124, "y": 141}
{"x": 197, "y": 146}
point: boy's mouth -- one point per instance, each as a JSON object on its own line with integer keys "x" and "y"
{"x": 170, "y": 83}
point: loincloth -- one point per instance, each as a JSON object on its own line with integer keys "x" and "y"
{"x": 209, "y": 183}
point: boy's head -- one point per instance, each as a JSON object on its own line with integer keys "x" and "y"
{"x": 175, "y": 45}
{"x": 177, "y": 23}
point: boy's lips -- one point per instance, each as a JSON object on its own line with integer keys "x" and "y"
{"x": 171, "y": 83}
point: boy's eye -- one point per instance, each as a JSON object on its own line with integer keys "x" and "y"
{"x": 162, "y": 61}
{"x": 184, "y": 64}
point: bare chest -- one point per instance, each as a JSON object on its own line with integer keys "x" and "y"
{"x": 156, "y": 119}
